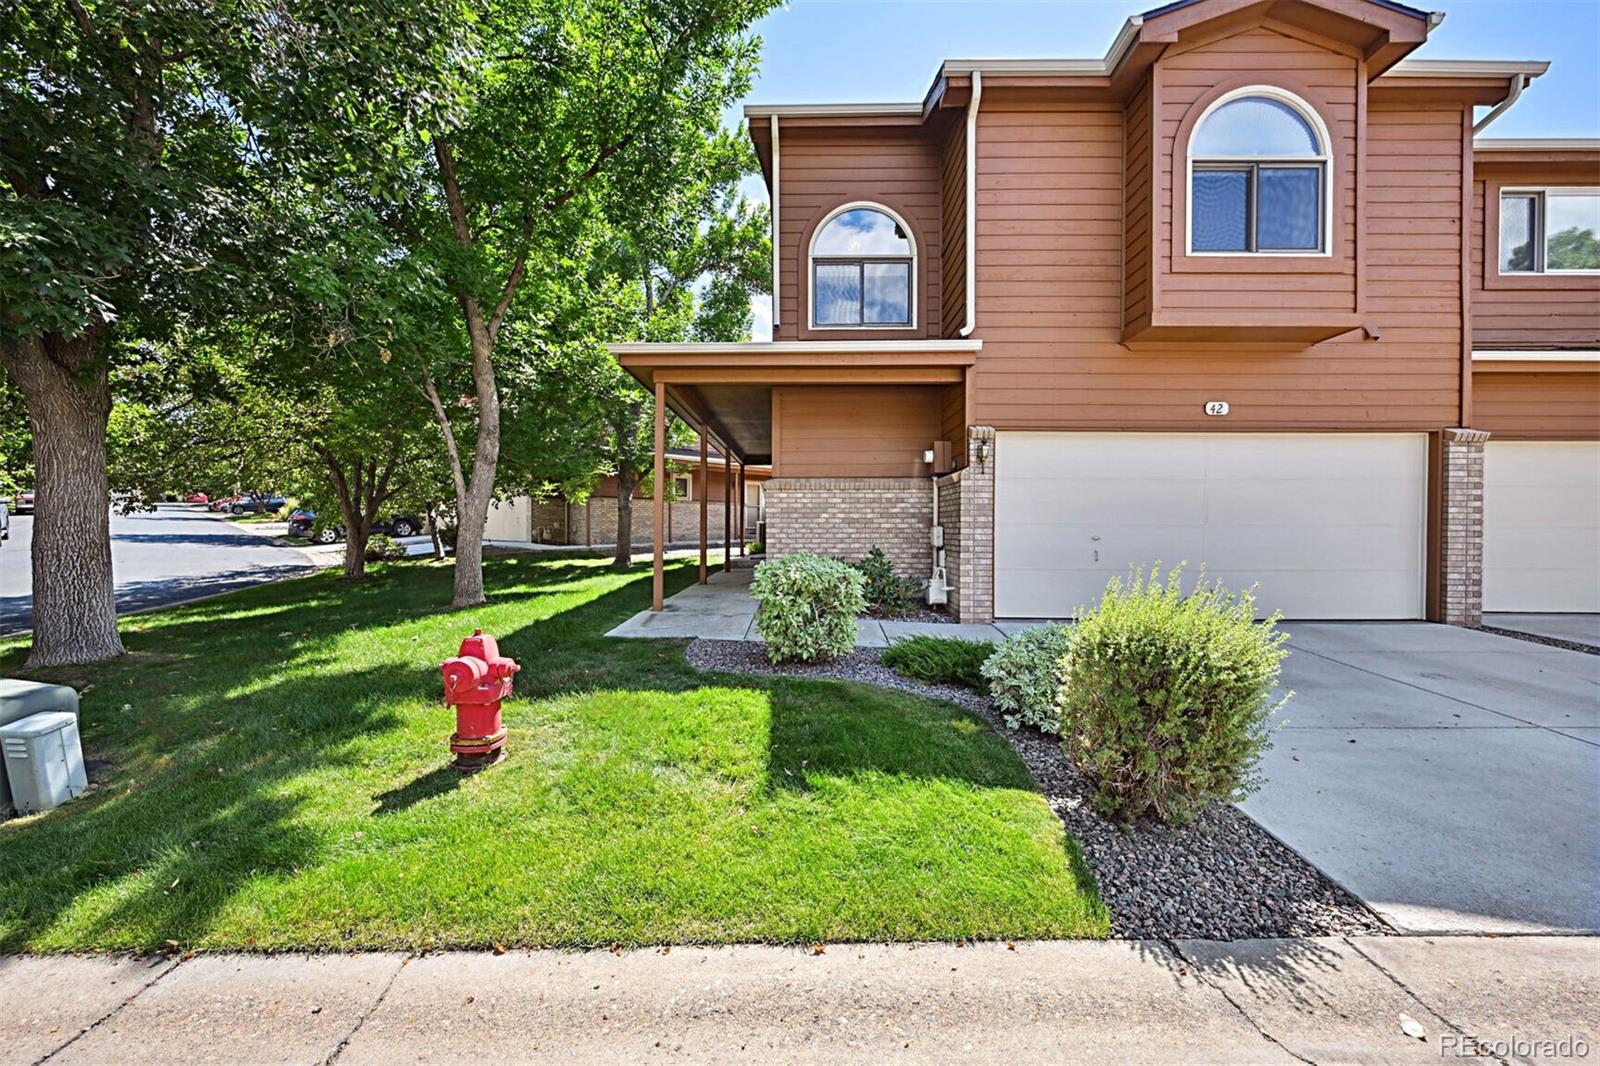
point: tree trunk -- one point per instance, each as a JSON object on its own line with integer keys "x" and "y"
{"x": 622, "y": 558}
{"x": 355, "y": 553}
{"x": 433, "y": 531}
{"x": 74, "y": 604}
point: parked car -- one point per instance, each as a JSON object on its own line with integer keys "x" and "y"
{"x": 23, "y": 503}
{"x": 269, "y": 504}
{"x": 5, "y": 518}
{"x": 221, "y": 503}
{"x": 303, "y": 523}
{"x": 197, "y": 497}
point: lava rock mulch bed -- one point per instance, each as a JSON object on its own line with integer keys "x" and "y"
{"x": 1221, "y": 878}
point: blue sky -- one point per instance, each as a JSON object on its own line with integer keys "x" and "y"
{"x": 832, "y": 51}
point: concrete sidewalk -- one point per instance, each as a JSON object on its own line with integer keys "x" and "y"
{"x": 1069, "y": 1001}
{"x": 723, "y": 609}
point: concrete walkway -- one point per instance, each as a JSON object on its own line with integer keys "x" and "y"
{"x": 723, "y": 609}
{"x": 1327, "y": 1000}
{"x": 1580, "y": 628}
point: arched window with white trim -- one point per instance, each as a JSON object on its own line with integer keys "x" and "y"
{"x": 863, "y": 270}
{"x": 1259, "y": 173}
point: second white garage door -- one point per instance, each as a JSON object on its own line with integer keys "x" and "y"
{"x": 1328, "y": 525}
{"x": 1541, "y": 526}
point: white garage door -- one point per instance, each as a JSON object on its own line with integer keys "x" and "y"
{"x": 1541, "y": 526}
{"x": 1328, "y": 525}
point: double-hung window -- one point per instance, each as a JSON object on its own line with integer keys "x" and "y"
{"x": 1550, "y": 231}
{"x": 863, "y": 270}
{"x": 1258, "y": 177}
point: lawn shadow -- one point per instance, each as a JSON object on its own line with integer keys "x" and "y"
{"x": 435, "y": 782}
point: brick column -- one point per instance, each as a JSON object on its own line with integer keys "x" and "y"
{"x": 1461, "y": 527}
{"x": 973, "y": 558}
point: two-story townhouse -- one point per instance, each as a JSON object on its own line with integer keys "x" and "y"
{"x": 1535, "y": 271}
{"x": 1208, "y": 299}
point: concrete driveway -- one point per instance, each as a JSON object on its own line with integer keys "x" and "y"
{"x": 1450, "y": 778}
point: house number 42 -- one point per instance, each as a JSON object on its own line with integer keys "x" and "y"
{"x": 1216, "y": 407}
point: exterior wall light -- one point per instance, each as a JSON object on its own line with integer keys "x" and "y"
{"x": 983, "y": 452}
{"x": 927, "y": 456}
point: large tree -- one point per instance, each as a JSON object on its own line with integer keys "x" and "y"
{"x": 578, "y": 109}
{"x": 141, "y": 142}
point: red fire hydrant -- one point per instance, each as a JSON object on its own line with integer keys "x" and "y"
{"x": 475, "y": 682}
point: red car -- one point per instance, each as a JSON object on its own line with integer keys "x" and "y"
{"x": 23, "y": 503}
{"x": 197, "y": 497}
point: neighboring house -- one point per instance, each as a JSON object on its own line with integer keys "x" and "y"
{"x": 1536, "y": 370}
{"x": 557, "y": 520}
{"x": 1209, "y": 299}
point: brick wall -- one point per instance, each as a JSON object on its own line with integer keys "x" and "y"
{"x": 969, "y": 535}
{"x": 683, "y": 528}
{"x": 1461, "y": 527}
{"x": 846, "y": 517}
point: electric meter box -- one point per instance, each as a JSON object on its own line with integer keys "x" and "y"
{"x": 44, "y": 761}
{"x": 19, "y": 700}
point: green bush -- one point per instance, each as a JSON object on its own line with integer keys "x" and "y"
{"x": 1025, "y": 676}
{"x": 807, "y": 607}
{"x": 381, "y": 546}
{"x": 1166, "y": 698}
{"x": 888, "y": 594}
{"x": 756, "y": 547}
{"x": 941, "y": 660}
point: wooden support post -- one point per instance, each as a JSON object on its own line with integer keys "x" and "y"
{"x": 704, "y": 488}
{"x": 659, "y": 579}
{"x": 588, "y": 522}
{"x": 744, "y": 530}
{"x": 727, "y": 508}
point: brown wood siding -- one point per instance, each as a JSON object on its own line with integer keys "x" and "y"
{"x": 1550, "y": 311}
{"x": 953, "y": 227}
{"x": 953, "y": 420}
{"x": 1537, "y": 405}
{"x": 1137, "y": 207}
{"x": 1328, "y": 81}
{"x": 820, "y": 169}
{"x": 1050, "y": 292}
{"x": 854, "y": 430}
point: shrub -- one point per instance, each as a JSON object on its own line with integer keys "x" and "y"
{"x": 807, "y": 607}
{"x": 1025, "y": 676}
{"x": 1166, "y": 698}
{"x": 756, "y": 547}
{"x": 381, "y": 546}
{"x": 941, "y": 660}
{"x": 888, "y": 594}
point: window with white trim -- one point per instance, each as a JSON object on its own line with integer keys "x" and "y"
{"x": 1550, "y": 231}
{"x": 1259, "y": 168}
{"x": 863, "y": 270}
{"x": 683, "y": 486}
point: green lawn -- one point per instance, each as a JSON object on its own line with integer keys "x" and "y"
{"x": 280, "y": 780}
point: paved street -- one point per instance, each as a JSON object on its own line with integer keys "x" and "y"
{"x": 176, "y": 553}
{"x": 1323, "y": 1000}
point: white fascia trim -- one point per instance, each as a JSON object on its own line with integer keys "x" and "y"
{"x": 789, "y": 347}
{"x": 1536, "y": 144}
{"x": 829, "y": 110}
{"x": 972, "y": 203}
{"x": 1465, "y": 68}
{"x": 1536, "y": 356}
{"x": 777, "y": 259}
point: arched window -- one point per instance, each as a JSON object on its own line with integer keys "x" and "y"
{"x": 1259, "y": 176}
{"x": 863, "y": 269}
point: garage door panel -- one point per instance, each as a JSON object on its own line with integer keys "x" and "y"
{"x": 1541, "y": 526}
{"x": 1353, "y": 549}
{"x": 1336, "y": 502}
{"x": 1328, "y": 525}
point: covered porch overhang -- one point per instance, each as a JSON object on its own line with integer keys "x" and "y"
{"x": 724, "y": 390}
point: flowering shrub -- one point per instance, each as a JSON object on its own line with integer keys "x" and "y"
{"x": 1166, "y": 698}
{"x": 807, "y": 607}
{"x": 1025, "y": 676}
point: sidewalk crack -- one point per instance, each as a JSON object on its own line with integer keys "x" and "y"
{"x": 1200, "y": 975}
{"x": 1418, "y": 1000}
{"x": 172, "y": 964}
{"x": 369, "y": 1012}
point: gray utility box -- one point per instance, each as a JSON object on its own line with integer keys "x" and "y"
{"x": 18, "y": 700}
{"x": 44, "y": 760}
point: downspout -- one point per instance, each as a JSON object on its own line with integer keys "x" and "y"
{"x": 1518, "y": 83}
{"x": 972, "y": 202}
{"x": 776, "y": 199}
